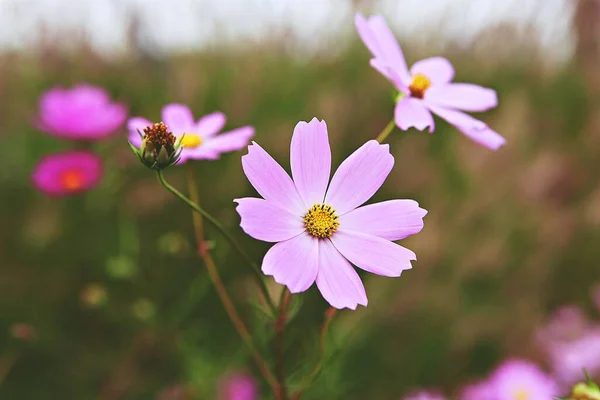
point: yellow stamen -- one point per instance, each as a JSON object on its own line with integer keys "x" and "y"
{"x": 191, "y": 141}
{"x": 71, "y": 180}
{"x": 321, "y": 221}
{"x": 419, "y": 85}
{"x": 522, "y": 394}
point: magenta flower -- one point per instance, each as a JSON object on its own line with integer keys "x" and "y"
{"x": 427, "y": 87}
{"x": 238, "y": 387}
{"x": 67, "y": 173}
{"x": 522, "y": 380}
{"x": 318, "y": 225}
{"x": 83, "y": 112}
{"x": 201, "y": 141}
{"x": 425, "y": 396}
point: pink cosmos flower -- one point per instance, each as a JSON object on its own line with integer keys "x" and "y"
{"x": 570, "y": 358}
{"x": 83, "y": 112}
{"x": 201, "y": 141}
{"x": 522, "y": 380}
{"x": 425, "y": 396}
{"x": 238, "y": 387}
{"x": 427, "y": 87}
{"x": 67, "y": 173}
{"x": 319, "y": 225}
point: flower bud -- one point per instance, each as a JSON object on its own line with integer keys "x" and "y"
{"x": 160, "y": 149}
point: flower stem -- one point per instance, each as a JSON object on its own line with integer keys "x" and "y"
{"x": 329, "y": 314}
{"x": 386, "y": 131}
{"x": 194, "y": 206}
{"x": 279, "y": 348}
{"x": 220, "y": 288}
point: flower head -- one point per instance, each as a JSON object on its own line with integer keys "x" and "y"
{"x": 238, "y": 387}
{"x": 67, "y": 173}
{"x": 522, "y": 380}
{"x": 83, "y": 112}
{"x": 320, "y": 226}
{"x": 159, "y": 148}
{"x": 427, "y": 87}
{"x": 199, "y": 139}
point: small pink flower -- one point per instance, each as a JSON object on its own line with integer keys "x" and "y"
{"x": 425, "y": 396}
{"x": 83, "y": 112}
{"x": 238, "y": 387}
{"x": 522, "y": 380}
{"x": 201, "y": 141}
{"x": 427, "y": 87}
{"x": 67, "y": 173}
{"x": 318, "y": 224}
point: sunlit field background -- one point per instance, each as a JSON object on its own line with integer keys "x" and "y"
{"x": 109, "y": 283}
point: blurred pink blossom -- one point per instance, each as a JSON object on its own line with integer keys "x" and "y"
{"x": 202, "y": 140}
{"x": 238, "y": 387}
{"x": 318, "y": 226}
{"x": 478, "y": 391}
{"x": 425, "y": 395}
{"x": 83, "y": 112}
{"x": 522, "y": 380}
{"x": 67, "y": 173}
{"x": 427, "y": 87}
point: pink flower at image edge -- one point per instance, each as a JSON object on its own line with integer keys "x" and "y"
{"x": 202, "y": 140}
{"x": 427, "y": 87}
{"x": 84, "y": 112}
{"x": 67, "y": 173}
{"x": 238, "y": 387}
{"x": 318, "y": 226}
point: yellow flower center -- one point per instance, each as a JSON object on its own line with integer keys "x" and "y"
{"x": 522, "y": 394}
{"x": 71, "y": 179}
{"x": 191, "y": 141}
{"x": 321, "y": 221}
{"x": 419, "y": 85}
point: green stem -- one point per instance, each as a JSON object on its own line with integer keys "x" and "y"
{"x": 226, "y": 234}
{"x": 386, "y": 131}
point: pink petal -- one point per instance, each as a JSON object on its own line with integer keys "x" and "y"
{"x": 359, "y": 176}
{"x": 271, "y": 181}
{"x": 210, "y": 124}
{"x": 411, "y": 112}
{"x": 389, "y": 73}
{"x": 437, "y": 69}
{"x": 337, "y": 281}
{"x": 134, "y": 125}
{"x": 310, "y": 158}
{"x": 47, "y": 173}
{"x": 391, "y": 220}
{"x": 464, "y": 96}
{"x": 380, "y": 40}
{"x": 178, "y": 118}
{"x": 294, "y": 263}
{"x": 372, "y": 253}
{"x": 233, "y": 140}
{"x": 476, "y": 130}
{"x": 265, "y": 221}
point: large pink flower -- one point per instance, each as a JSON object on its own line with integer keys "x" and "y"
{"x": 427, "y": 87}
{"x": 201, "y": 141}
{"x": 84, "y": 112}
{"x": 319, "y": 226}
{"x": 67, "y": 173}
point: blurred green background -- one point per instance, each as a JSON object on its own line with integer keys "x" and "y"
{"x": 121, "y": 304}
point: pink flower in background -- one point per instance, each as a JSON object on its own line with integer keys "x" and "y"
{"x": 238, "y": 387}
{"x": 67, "y": 173}
{"x": 83, "y": 112}
{"x": 201, "y": 140}
{"x": 570, "y": 358}
{"x": 567, "y": 323}
{"x": 425, "y": 396}
{"x": 319, "y": 225}
{"x": 427, "y": 87}
{"x": 522, "y": 380}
